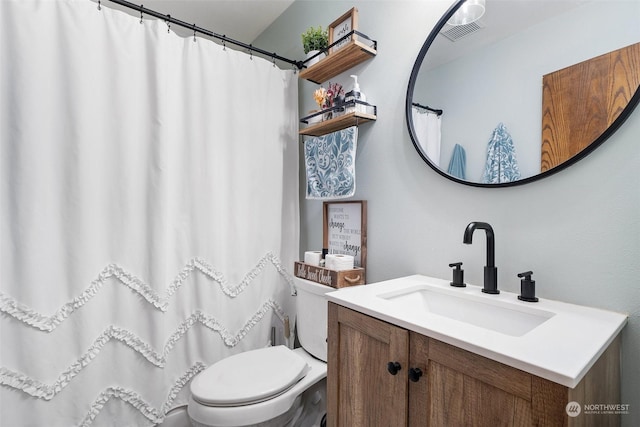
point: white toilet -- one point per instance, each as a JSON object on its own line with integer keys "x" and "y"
{"x": 272, "y": 386}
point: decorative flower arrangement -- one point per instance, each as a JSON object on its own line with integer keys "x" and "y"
{"x": 335, "y": 93}
{"x": 327, "y": 98}
{"x": 320, "y": 95}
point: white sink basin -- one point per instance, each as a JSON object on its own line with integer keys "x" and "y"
{"x": 550, "y": 339}
{"x": 514, "y": 321}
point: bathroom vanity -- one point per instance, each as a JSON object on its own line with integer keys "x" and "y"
{"x": 414, "y": 351}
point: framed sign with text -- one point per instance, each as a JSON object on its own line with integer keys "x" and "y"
{"x": 341, "y": 27}
{"x": 344, "y": 229}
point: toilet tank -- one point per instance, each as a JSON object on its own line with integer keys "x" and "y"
{"x": 311, "y": 317}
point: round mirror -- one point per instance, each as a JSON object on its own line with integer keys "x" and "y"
{"x": 525, "y": 89}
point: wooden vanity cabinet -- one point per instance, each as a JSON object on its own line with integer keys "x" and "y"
{"x": 456, "y": 388}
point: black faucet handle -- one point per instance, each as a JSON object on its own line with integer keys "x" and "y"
{"x": 527, "y": 275}
{"x": 458, "y": 275}
{"x": 527, "y": 287}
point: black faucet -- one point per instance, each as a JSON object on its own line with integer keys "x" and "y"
{"x": 490, "y": 270}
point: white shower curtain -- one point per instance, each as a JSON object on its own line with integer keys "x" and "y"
{"x": 427, "y": 127}
{"x": 149, "y": 216}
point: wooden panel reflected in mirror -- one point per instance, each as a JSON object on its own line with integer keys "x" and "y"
{"x": 604, "y": 84}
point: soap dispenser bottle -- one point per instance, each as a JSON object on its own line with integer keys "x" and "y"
{"x": 355, "y": 94}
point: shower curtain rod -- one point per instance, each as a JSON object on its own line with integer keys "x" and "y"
{"x": 196, "y": 29}
{"x": 424, "y": 107}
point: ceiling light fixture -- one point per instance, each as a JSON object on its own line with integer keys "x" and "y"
{"x": 469, "y": 12}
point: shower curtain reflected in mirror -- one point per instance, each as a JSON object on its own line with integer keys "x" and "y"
{"x": 427, "y": 126}
{"x": 149, "y": 216}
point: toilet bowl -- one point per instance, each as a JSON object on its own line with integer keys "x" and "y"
{"x": 272, "y": 386}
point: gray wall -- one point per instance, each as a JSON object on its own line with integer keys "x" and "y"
{"x": 579, "y": 230}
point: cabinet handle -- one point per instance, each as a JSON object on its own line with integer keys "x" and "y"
{"x": 415, "y": 374}
{"x": 393, "y": 367}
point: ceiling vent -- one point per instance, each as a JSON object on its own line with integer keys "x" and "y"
{"x": 455, "y": 33}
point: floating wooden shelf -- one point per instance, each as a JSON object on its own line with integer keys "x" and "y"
{"x": 337, "y": 123}
{"x": 339, "y": 61}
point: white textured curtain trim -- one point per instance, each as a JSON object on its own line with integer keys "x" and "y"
{"x": 149, "y": 212}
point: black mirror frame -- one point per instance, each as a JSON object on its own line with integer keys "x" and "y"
{"x": 624, "y": 115}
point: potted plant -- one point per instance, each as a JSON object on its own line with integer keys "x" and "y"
{"x": 315, "y": 40}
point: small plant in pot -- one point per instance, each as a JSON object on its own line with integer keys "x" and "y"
{"x": 315, "y": 40}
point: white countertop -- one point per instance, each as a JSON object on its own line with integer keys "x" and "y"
{"x": 562, "y": 349}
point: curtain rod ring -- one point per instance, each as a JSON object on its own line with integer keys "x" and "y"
{"x": 168, "y": 24}
{"x": 251, "y": 52}
{"x": 141, "y": 9}
{"x": 99, "y": 5}
{"x": 194, "y": 32}
{"x": 273, "y": 59}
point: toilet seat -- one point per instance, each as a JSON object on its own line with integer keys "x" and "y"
{"x": 249, "y": 377}
{"x": 261, "y": 412}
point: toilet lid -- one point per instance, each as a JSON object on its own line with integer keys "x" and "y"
{"x": 249, "y": 377}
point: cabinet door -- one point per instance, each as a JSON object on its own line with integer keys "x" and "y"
{"x": 361, "y": 390}
{"x": 470, "y": 390}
